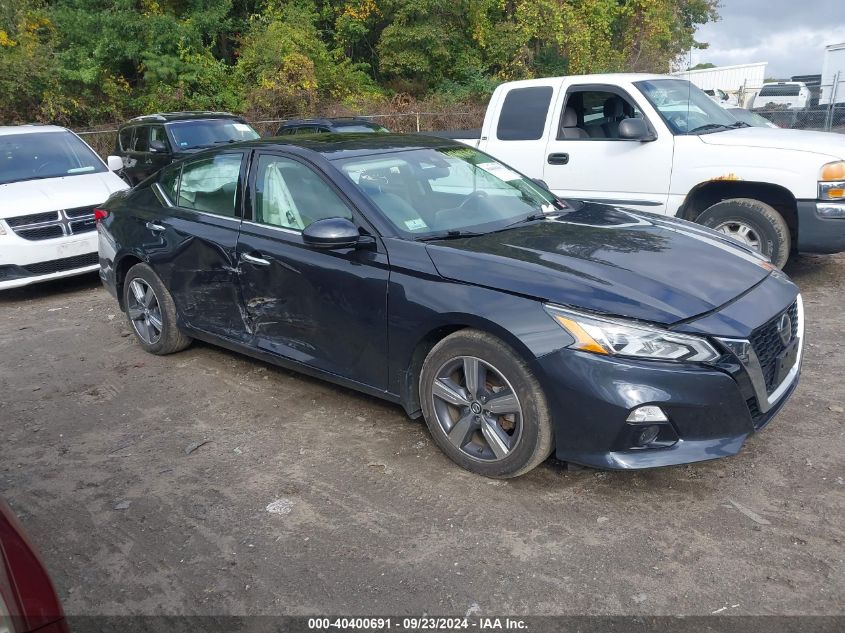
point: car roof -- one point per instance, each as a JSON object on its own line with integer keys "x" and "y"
{"x": 30, "y": 128}
{"x": 334, "y": 122}
{"x": 339, "y": 146}
{"x": 166, "y": 117}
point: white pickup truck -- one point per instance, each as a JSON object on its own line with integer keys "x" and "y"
{"x": 659, "y": 144}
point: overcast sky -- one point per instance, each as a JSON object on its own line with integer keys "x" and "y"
{"x": 788, "y": 34}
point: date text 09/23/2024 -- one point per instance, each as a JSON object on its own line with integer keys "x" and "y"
{"x": 424, "y": 623}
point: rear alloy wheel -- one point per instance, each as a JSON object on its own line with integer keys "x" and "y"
{"x": 483, "y": 406}
{"x": 151, "y": 312}
{"x": 752, "y": 223}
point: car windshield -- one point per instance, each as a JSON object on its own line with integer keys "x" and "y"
{"x": 35, "y": 156}
{"x": 209, "y": 132}
{"x": 685, "y": 108}
{"x": 431, "y": 193}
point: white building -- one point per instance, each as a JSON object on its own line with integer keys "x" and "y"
{"x": 743, "y": 80}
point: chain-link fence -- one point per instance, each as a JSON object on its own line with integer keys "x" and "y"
{"x": 793, "y": 106}
{"x": 103, "y": 139}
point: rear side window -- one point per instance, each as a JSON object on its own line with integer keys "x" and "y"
{"x": 126, "y": 138}
{"x": 142, "y": 139}
{"x": 211, "y": 184}
{"x": 774, "y": 90}
{"x": 523, "y": 115}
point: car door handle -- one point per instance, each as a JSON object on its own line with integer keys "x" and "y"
{"x": 155, "y": 228}
{"x": 558, "y": 159}
{"x": 257, "y": 261}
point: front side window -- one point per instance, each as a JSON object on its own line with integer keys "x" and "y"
{"x": 290, "y": 195}
{"x": 35, "y": 156}
{"x": 685, "y": 108}
{"x": 597, "y": 112}
{"x": 199, "y": 133}
{"x": 523, "y": 115}
{"x": 211, "y": 184}
{"x": 430, "y": 192}
{"x": 169, "y": 181}
{"x": 157, "y": 133}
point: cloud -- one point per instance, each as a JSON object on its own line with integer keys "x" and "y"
{"x": 789, "y": 35}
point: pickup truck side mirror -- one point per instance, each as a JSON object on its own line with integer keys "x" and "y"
{"x": 635, "y": 130}
{"x": 157, "y": 146}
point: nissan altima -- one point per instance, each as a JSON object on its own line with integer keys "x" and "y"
{"x": 429, "y": 274}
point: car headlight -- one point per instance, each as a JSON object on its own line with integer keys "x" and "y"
{"x": 614, "y": 337}
{"x": 832, "y": 181}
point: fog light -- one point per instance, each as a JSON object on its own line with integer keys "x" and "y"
{"x": 648, "y": 435}
{"x": 648, "y": 413}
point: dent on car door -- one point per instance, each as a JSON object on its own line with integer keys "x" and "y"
{"x": 326, "y": 308}
{"x": 197, "y": 235}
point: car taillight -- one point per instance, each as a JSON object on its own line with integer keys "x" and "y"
{"x": 100, "y": 214}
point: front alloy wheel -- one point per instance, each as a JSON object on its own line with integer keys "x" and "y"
{"x": 477, "y": 408}
{"x": 483, "y": 405}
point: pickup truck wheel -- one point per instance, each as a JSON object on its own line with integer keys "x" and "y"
{"x": 484, "y": 407}
{"x": 754, "y": 223}
{"x": 151, "y": 312}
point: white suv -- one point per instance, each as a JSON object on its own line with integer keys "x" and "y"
{"x": 50, "y": 183}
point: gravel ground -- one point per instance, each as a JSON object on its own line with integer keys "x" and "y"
{"x": 100, "y": 459}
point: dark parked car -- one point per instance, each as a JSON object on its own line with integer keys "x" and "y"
{"x": 428, "y": 273}
{"x": 28, "y": 601}
{"x": 326, "y": 126}
{"x": 148, "y": 143}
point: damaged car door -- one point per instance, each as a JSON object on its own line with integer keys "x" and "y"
{"x": 323, "y": 306}
{"x": 198, "y": 236}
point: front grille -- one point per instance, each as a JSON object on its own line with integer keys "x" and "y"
{"x": 59, "y": 265}
{"x": 80, "y": 212}
{"x": 767, "y": 345}
{"x": 83, "y": 226}
{"x": 35, "y": 218}
{"x": 53, "y": 224}
{"x": 41, "y": 232}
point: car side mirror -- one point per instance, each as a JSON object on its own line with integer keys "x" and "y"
{"x": 158, "y": 145}
{"x": 542, "y": 183}
{"x": 331, "y": 233}
{"x": 635, "y": 130}
{"x": 115, "y": 163}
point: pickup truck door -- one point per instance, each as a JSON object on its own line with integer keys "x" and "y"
{"x": 585, "y": 158}
{"x": 517, "y": 125}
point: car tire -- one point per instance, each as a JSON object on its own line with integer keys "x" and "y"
{"x": 494, "y": 442}
{"x": 152, "y": 317}
{"x": 754, "y": 223}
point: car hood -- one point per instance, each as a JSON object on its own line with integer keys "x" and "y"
{"x": 51, "y": 194}
{"x": 832, "y": 145}
{"x": 608, "y": 260}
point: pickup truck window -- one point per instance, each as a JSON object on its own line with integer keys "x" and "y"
{"x": 685, "y": 108}
{"x": 524, "y": 112}
{"x": 598, "y": 112}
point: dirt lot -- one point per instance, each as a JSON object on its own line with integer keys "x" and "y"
{"x": 372, "y": 517}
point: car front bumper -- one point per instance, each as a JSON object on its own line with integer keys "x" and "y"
{"x": 24, "y": 262}
{"x": 819, "y": 230}
{"x": 710, "y": 411}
